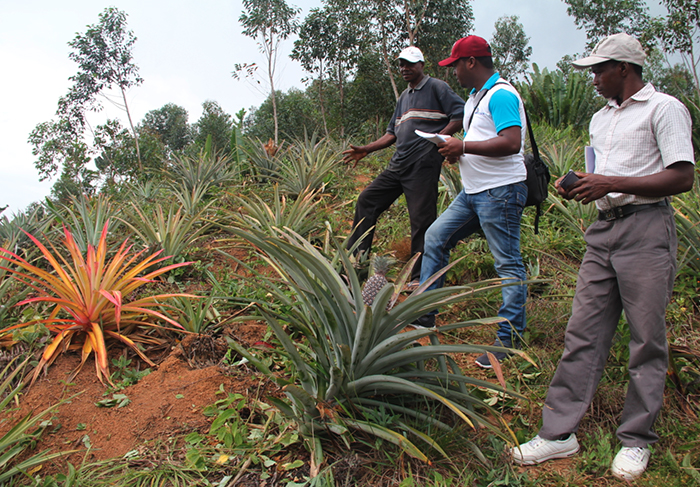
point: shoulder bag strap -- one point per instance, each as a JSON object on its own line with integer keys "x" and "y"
{"x": 533, "y": 144}
{"x": 475, "y": 107}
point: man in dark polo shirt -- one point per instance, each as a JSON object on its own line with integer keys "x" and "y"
{"x": 430, "y": 105}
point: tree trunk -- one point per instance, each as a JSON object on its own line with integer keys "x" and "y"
{"x": 320, "y": 98}
{"x": 269, "y": 49}
{"x": 412, "y": 32}
{"x": 271, "y": 73}
{"x": 389, "y": 71}
{"x": 341, "y": 87}
{"x": 133, "y": 130}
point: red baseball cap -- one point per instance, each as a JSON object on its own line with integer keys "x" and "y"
{"x": 467, "y": 47}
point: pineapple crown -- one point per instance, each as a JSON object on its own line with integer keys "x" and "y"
{"x": 382, "y": 263}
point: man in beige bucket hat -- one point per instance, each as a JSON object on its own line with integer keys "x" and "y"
{"x": 643, "y": 155}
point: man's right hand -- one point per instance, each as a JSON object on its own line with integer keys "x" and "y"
{"x": 354, "y": 154}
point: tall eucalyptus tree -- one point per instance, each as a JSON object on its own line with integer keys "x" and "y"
{"x": 105, "y": 62}
{"x": 270, "y": 22}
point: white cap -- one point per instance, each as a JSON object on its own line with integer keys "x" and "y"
{"x": 411, "y": 54}
{"x": 617, "y": 47}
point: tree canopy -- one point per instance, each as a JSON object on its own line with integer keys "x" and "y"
{"x": 169, "y": 123}
{"x": 104, "y": 57}
{"x": 214, "y": 123}
{"x": 509, "y": 46}
{"x": 270, "y": 22}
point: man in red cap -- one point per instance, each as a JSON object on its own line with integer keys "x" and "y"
{"x": 428, "y": 105}
{"x": 491, "y": 162}
{"x": 643, "y": 154}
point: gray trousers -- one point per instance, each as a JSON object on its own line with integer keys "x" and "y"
{"x": 630, "y": 265}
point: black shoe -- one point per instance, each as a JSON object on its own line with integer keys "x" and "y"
{"x": 484, "y": 362}
{"x": 425, "y": 321}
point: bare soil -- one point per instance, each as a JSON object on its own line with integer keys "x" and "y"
{"x": 164, "y": 404}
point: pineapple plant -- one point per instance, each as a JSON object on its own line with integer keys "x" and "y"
{"x": 356, "y": 359}
{"x": 380, "y": 265}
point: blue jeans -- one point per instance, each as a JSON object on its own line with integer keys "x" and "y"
{"x": 497, "y": 212}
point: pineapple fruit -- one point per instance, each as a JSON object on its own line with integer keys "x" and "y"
{"x": 374, "y": 284}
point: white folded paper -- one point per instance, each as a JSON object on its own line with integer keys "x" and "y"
{"x": 434, "y": 138}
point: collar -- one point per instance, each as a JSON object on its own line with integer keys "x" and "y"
{"x": 642, "y": 95}
{"x": 645, "y": 93}
{"x": 421, "y": 84}
{"x": 489, "y": 83}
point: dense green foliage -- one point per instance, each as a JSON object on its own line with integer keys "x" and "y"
{"x": 310, "y": 291}
{"x": 170, "y": 124}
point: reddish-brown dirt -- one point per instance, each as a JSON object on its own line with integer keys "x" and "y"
{"x": 164, "y": 404}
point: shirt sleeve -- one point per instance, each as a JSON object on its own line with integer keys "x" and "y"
{"x": 452, "y": 103}
{"x": 505, "y": 110}
{"x": 672, "y": 128}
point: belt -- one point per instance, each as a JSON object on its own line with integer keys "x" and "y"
{"x": 623, "y": 211}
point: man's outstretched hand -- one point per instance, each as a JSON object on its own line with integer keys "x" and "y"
{"x": 353, "y": 154}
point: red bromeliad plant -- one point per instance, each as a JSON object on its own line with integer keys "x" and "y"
{"x": 91, "y": 291}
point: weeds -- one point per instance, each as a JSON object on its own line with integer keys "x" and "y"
{"x": 598, "y": 454}
{"x": 247, "y": 434}
{"x": 124, "y": 375}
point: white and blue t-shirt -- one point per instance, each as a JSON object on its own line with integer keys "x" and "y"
{"x": 500, "y": 108}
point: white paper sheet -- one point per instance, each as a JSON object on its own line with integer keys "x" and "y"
{"x": 434, "y": 138}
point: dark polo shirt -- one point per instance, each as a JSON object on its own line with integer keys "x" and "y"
{"x": 429, "y": 107}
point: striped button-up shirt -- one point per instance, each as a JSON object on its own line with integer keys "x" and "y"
{"x": 644, "y": 135}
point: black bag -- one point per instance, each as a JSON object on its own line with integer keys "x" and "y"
{"x": 537, "y": 177}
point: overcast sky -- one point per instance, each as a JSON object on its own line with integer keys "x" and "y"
{"x": 185, "y": 52}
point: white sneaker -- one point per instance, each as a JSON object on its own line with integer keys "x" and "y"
{"x": 630, "y": 463}
{"x": 538, "y": 450}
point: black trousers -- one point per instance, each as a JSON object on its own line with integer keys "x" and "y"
{"x": 419, "y": 182}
